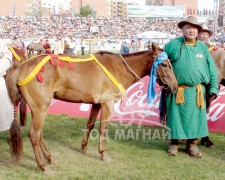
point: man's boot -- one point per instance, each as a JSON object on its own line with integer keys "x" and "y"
{"x": 192, "y": 149}
{"x": 173, "y": 147}
{"x": 207, "y": 142}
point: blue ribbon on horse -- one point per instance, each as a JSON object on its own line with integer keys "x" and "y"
{"x": 153, "y": 76}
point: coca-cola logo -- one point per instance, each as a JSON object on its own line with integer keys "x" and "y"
{"x": 217, "y": 108}
{"x": 133, "y": 109}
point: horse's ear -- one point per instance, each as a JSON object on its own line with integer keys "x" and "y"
{"x": 154, "y": 47}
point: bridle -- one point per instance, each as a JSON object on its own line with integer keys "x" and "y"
{"x": 137, "y": 77}
{"x": 158, "y": 74}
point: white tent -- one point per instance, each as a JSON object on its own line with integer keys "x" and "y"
{"x": 155, "y": 35}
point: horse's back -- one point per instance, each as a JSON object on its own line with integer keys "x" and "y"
{"x": 77, "y": 82}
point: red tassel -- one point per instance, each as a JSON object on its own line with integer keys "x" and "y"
{"x": 52, "y": 61}
{"x": 61, "y": 63}
{"x": 71, "y": 66}
{"x": 39, "y": 77}
{"x": 42, "y": 69}
{"x": 53, "y": 56}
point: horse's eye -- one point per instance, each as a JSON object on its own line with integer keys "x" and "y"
{"x": 164, "y": 64}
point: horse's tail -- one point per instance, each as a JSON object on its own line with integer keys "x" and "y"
{"x": 15, "y": 132}
{"x": 16, "y": 143}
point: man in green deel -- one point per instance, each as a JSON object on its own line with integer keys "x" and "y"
{"x": 194, "y": 68}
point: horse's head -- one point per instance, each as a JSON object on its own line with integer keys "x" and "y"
{"x": 18, "y": 55}
{"x": 166, "y": 76}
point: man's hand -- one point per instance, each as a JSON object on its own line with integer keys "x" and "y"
{"x": 212, "y": 96}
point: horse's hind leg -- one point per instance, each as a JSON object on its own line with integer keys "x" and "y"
{"x": 90, "y": 125}
{"x": 105, "y": 114}
{"x": 44, "y": 149}
{"x": 35, "y": 135}
{"x": 29, "y": 53}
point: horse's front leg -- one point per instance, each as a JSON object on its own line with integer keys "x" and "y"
{"x": 105, "y": 114}
{"x": 44, "y": 149}
{"x": 90, "y": 125}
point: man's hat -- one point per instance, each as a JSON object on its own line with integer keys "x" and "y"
{"x": 190, "y": 20}
{"x": 206, "y": 29}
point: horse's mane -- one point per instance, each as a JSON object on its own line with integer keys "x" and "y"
{"x": 124, "y": 55}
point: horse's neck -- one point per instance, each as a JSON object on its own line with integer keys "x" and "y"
{"x": 136, "y": 68}
{"x": 138, "y": 64}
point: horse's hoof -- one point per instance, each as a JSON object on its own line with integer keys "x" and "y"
{"x": 106, "y": 158}
{"x": 48, "y": 171}
{"x": 83, "y": 149}
{"x": 43, "y": 168}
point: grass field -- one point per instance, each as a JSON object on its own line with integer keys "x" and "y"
{"x": 132, "y": 157}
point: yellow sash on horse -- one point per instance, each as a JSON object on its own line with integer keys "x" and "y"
{"x": 69, "y": 59}
{"x": 211, "y": 48}
{"x": 15, "y": 54}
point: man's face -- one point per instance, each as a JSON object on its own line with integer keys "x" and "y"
{"x": 190, "y": 32}
{"x": 203, "y": 36}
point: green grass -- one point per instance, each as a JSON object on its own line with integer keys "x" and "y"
{"x": 131, "y": 159}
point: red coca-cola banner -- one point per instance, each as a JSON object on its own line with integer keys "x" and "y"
{"x": 134, "y": 108}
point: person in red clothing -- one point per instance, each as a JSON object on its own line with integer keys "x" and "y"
{"x": 47, "y": 47}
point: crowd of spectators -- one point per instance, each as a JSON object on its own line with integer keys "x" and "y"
{"x": 53, "y": 27}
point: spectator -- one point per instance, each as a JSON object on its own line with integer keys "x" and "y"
{"x": 66, "y": 47}
{"x": 149, "y": 45}
{"x": 71, "y": 47}
{"x": 204, "y": 36}
{"x": 47, "y": 47}
{"x": 133, "y": 46}
{"x": 6, "y": 110}
{"x": 120, "y": 28}
{"x": 82, "y": 46}
{"x": 17, "y": 43}
{"x": 124, "y": 48}
{"x": 59, "y": 46}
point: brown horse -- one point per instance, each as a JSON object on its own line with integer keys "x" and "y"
{"x": 218, "y": 56}
{"x": 88, "y": 83}
{"x": 35, "y": 47}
